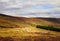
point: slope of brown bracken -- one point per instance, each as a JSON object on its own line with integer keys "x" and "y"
{"x": 24, "y": 29}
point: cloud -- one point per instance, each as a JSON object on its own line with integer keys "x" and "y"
{"x": 31, "y": 8}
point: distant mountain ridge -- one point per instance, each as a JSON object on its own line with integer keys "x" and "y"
{"x": 28, "y": 21}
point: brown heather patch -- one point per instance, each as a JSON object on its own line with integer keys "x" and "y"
{"x": 31, "y": 38}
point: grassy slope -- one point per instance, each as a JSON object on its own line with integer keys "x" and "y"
{"x": 20, "y": 27}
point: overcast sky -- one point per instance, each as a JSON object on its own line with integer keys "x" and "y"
{"x": 31, "y": 8}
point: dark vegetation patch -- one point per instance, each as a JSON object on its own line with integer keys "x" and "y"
{"x": 52, "y": 28}
{"x": 31, "y": 38}
{"x": 6, "y": 39}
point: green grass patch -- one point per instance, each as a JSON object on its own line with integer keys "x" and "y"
{"x": 52, "y": 28}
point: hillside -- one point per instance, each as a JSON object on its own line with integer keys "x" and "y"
{"x": 31, "y": 21}
{"x": 24, "y": 29}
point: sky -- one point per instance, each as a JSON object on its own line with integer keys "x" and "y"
{"x": 31, "y": 8}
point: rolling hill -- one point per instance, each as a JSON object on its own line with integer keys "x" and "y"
{"x": 16, "y": 28}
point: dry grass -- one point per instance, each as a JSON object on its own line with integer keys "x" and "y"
{"x": 29, "y": 38}
{"x": 15, "y": 29}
